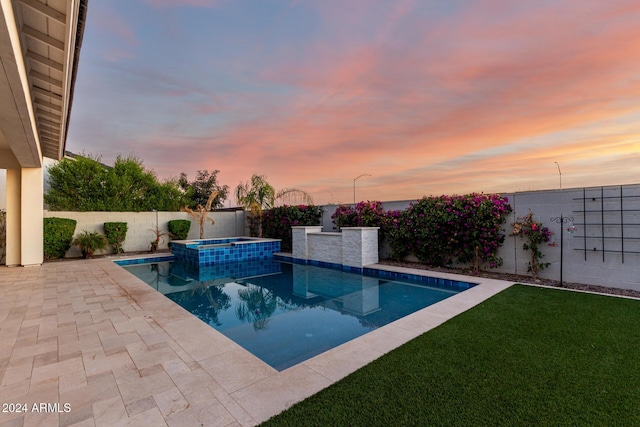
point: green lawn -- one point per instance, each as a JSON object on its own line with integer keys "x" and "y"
{"x": 528, "y": 356}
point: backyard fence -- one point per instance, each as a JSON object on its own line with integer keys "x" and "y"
{"x": 604, "y": 249}
{"x": 141, "y": 226}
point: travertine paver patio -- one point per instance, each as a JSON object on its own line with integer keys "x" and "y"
{"x": 109, "y": 350}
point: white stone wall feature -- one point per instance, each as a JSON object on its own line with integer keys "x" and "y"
{"x": 359, "y": 246}
{"x": 140, "y": 226}
{"x": 325, "y": 247}
{"x": 299, "y": 240}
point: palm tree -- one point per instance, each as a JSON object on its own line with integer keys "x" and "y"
{"x": 257, "y": 195}
{"x": 256, "y": 305}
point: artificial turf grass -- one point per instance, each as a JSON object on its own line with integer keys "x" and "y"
{"x": 527, "y": 356}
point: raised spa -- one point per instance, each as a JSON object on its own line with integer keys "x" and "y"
{"x": 208, "y": 252}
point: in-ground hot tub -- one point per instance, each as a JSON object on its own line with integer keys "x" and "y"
{"x": 207, "y": 252}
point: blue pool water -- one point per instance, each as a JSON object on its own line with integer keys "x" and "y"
{"x": 286, "y": 313}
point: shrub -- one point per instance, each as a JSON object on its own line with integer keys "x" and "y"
{"x": 58, "y": 234}
{"x": 179, "y": 228}
{"x": 536, "y": 234}
{"x": 445, "y": 229}
{"x": 159, "y": 238}
{"x": 90, "y": 242}
{"x": 277, "y": 222}
{"x": 365, "y": 214}
{"x": 345, "y": 216}
{"x": 116, "y": 233}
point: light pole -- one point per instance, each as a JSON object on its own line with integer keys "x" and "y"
{"x": 354, "y": 185}
{"x": 571, "y": 229}
{"x": 559, "y": 173}
{"x": 157, "y": 225}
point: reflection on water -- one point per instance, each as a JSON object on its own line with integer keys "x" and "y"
{"x": 206, "y": 301}
{"x": 256, "y": 306}
{"x": 285, "y": 313}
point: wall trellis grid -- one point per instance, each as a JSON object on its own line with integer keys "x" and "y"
{"x": 606, "y": 215}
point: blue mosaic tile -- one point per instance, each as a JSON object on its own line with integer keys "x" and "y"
{"x": 144, "y": 260}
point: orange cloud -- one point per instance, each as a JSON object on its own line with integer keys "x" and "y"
{"x": 427, "y": 98}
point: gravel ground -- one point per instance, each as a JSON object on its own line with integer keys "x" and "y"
{"x": 516, "y": 278}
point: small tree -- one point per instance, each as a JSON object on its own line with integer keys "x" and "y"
{"x": 159, "y": 238}
{"x": 198, "y": 190}
{"x": 201, "y": 213}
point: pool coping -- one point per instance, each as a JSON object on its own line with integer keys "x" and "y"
{"x": 262, "y": 391}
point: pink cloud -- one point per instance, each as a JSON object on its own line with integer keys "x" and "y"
{"x": 109, "y": 21}
{"x": 415, "y": 99}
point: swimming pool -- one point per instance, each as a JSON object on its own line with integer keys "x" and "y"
{"x": 286, "y": 313}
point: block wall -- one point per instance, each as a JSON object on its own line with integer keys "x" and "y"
{"x": 604, "y": 251}
{"x": 140, "y": 226}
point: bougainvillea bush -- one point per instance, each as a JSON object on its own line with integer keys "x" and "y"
{"x": 277, "y": 222}
{"x": 535, "y": 233}
{"x": 365, "y": 214}
{"x": 446, "y": 229}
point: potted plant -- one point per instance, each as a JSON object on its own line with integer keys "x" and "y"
{"x": 89, "y": 242}
{"x": 159, "y": 238}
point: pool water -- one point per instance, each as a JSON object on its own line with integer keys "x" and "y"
{"x": 286, "y": 313}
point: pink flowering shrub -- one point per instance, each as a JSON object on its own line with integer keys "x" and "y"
{"x": 446, "y": 229}
{"x": 365, "y": 214}
{"x": 536, "y": 234}
{"x": 277, "y": 222}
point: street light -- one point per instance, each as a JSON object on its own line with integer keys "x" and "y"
{"x": 354, "y": 186}
{"x": 559, "y": 173}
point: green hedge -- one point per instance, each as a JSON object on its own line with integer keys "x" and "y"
{"x": 58, "y": 234}
{"x": 179, "y": 228}
{"x": 116, "y": 233}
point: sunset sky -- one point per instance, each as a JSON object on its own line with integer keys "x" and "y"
{"x": 429, "y": 97}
